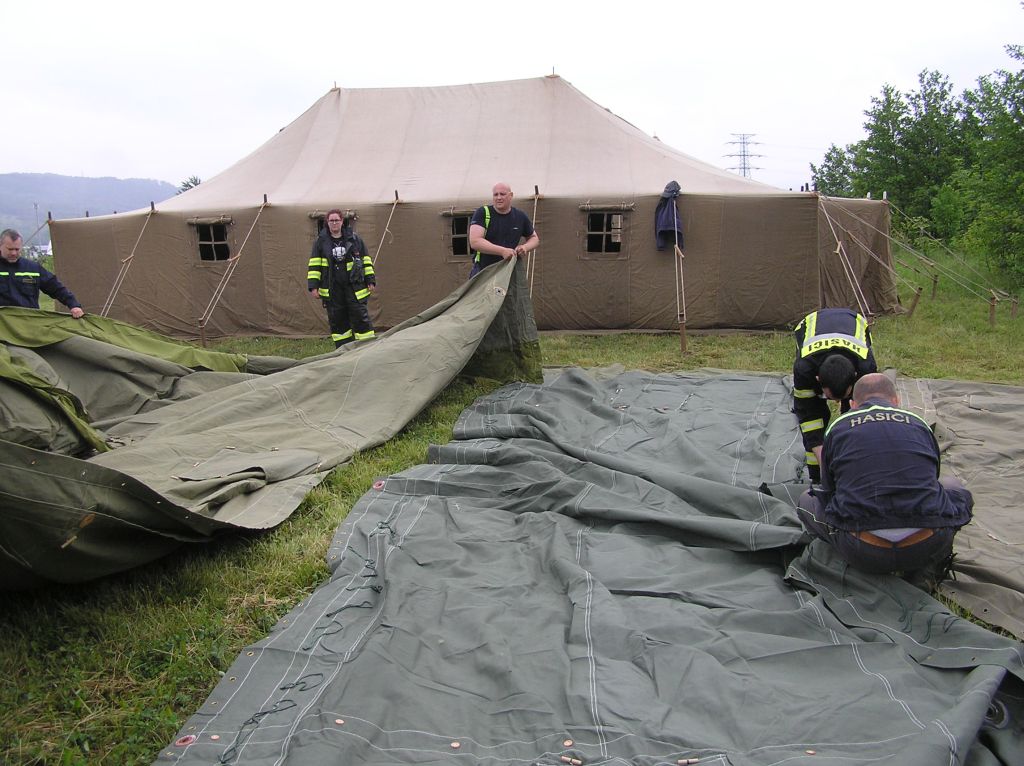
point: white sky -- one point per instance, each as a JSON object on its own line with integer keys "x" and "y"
{"x": 167, "y": 90}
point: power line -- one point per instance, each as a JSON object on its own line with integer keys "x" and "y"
{"x": 743, "y": 139}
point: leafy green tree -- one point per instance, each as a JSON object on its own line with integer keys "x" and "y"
{"x": 189, "y": 183}
{"x": 878, "y": 159}
{"x": 947, "y": 212}
{"x": 834, "y": 176}
{"x": 933, "y": 146}
{"x": 995, "y": 185}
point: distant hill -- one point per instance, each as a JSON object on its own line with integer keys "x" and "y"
{"x": 26, "y": 198}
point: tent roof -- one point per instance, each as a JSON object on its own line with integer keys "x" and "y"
{"x": 452, "y": 143}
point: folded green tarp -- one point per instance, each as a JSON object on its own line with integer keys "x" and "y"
{"x": 117, "y": 445}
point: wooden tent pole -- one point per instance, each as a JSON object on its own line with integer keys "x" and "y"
{"x": 992, "y": 309}
{"x": 913, "y": 303}
{"x": 682, "y": 303}
{"x": 531, "y": 257}
{"x": 33, "y": 234}
{"x": 1013, "y": 306}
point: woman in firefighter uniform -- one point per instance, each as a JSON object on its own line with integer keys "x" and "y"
{"x": 341, "y": 274}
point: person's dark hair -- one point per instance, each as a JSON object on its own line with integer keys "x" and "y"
{"x": 837, "y": 374}
{"x": 335, "y": 211}
{"x": 10, "y": 234}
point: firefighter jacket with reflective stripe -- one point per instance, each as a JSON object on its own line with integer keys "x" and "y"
{"x": 341, "y": 264}
{"x": 22, "y": 281}
{"x": 882, "y": 472}
{"x": 819, "y": 335}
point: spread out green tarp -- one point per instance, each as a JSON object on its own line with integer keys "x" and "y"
{"x": 118, "y": 445}
{"x": 590, "y": 573}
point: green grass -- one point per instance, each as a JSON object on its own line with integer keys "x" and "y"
{"x": 106, "y": 672}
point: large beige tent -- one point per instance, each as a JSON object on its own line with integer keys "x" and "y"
{"x": 229, "y": 256}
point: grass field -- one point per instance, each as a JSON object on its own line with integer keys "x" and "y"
{"x": 105, "y": 673}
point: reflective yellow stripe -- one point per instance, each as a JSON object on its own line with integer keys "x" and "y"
{"x": 811, "y": 322}
{"x": 360, "y": 294}
{"x": 316, "y": 262}
{"x": 810, "y": 458}
{"x": 325, "y": 293}
{"x": 862, "y": 330}
{"x": 812, "y": 425}
{"x": 365, "y": 335}
{"x": 335, "y": 337}
{"x": 813, "y": 343}
{"x": 822, "y": 342}
{"x": 368, "y": 268}
{"x": 804, "y": 393}
{"x": 487, "y": 225}
{"x": 312, "y": 275}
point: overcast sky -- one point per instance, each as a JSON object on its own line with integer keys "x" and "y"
{"x": 173, "y": 89}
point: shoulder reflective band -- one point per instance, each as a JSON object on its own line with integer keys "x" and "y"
{"x": 487, "y": 225}
{"x": 857, "y": 343}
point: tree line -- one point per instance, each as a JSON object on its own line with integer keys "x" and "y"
{"x": 952, "y": 164}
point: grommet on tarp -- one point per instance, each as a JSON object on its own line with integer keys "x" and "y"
{"x": 997, "y": 716}
{"x": 188, "y": 739}
{"x": 379, "y": 484}
{"x": 339, "y": 721}
{"x": 456, "y": 745}
{"x": 567, "y": 743}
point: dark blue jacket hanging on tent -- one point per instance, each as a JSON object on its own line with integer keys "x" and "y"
{"x": 667, "y": 226}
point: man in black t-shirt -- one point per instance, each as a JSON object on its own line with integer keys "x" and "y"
{"x": 496, "y": 231}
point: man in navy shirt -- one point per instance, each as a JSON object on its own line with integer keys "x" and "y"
{"x": 21, "y": 279}
{"x": 881, "y": 503}
{"x": 496, "y": 232}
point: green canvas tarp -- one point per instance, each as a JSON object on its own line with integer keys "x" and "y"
{"x": 609, "y": 570}
{"x": 118, "y": 445}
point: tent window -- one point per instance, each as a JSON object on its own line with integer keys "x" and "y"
{"x": 212, "y": 239}
{"x": 604, "y": 232}
{"x": 455, "y": 234}
{"x": 460, "y": 235}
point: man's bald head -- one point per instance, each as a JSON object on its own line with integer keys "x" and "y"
{"x": 875, "y": 385}
{"x": 501, "y": 194}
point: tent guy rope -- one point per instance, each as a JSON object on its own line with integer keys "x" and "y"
{"x": 125, "y": 265}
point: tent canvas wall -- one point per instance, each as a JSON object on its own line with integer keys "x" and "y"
{"x": 414, "y": 163}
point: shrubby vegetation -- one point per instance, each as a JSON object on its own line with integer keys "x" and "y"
{"x": 953, "y": 165}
